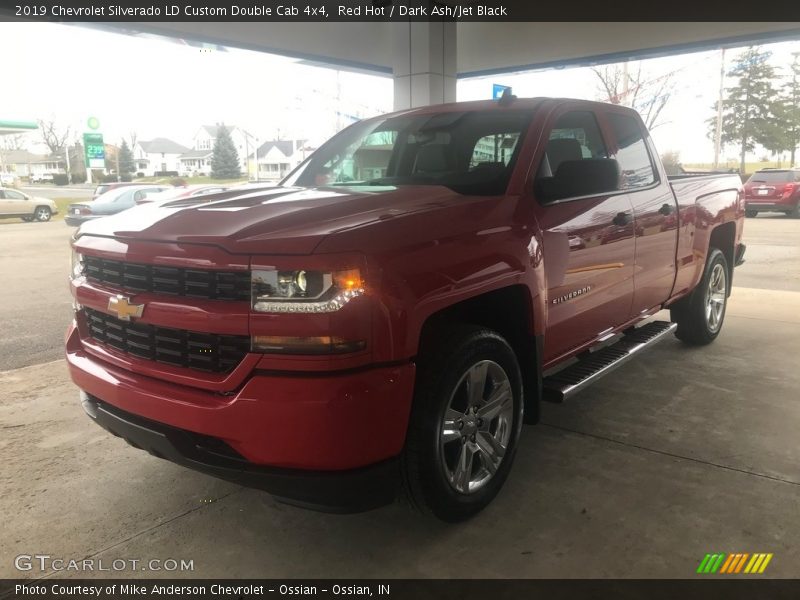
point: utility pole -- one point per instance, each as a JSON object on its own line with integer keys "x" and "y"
{"x": 625, "y": 83}
{"x": 66, "y": 157}
{"x": 258, "y": 175}
{"x": 247, "y": 153}
{"x": 795, "y": 101}
{"x": 718, "y": 131}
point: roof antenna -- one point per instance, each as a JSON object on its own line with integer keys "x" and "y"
{"x": 507, "y": 97}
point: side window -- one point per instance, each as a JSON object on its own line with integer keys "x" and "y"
{"x": 494, "y": 150}
{"x": 12, "y": 195}
{"x": 575, "y": 163}
{"x": 632, "y": 156}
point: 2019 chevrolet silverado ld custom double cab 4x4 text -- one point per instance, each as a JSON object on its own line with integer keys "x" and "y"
{"x": 391, "y": 314}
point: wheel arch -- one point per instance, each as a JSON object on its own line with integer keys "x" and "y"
{"x": 723, "y": 237}
{"x": 508, "y": 311}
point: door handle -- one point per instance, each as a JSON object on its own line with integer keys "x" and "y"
{"x": 666, "y": 209}
{"x": 622, "y": 219}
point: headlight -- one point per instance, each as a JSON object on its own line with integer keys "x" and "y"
{"x": 304, "y": 291}
{"x": 76, "y": 266}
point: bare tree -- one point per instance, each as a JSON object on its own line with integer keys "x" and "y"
{"x": 12, "y": 142}
{"x": 53, "y": 136}
{"x": 648, "y": 96}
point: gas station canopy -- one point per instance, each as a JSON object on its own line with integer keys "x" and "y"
{"x": 426, "y": 58}
{"x": 12, "y": 127}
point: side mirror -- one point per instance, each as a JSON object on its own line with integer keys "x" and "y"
{"x": 575, "y": 178}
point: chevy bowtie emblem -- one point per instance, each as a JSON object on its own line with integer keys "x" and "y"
{"x": 123, "y": 307}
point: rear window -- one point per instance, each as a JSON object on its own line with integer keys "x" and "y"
{"x": 772, "y": 177}
{"x": 101, "y": 189}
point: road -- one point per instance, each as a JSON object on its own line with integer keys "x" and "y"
{"x": 55, "y": 192}
{"x": 35, "y": 304}
{"x": 36, "y": 307}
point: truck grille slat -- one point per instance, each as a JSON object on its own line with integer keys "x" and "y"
{"x": 174, "y": 281}
{"x": 213, "y": 353}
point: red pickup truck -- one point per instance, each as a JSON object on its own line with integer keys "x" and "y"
{"x": 389, "y": 316}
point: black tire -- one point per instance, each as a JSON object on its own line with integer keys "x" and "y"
{"x": 795, "y": 212}
{"x": 696, "y": 326}
{"x": 42, "y": 213}
{"x": 444, "y": 361}
{"x": 751, "y": 214}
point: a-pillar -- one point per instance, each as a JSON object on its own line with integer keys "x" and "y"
{"x": 425, "y": 63}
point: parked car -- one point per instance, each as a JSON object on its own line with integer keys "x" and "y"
{"x": 14, "y": 203}
{"x": 389, "y": 316}
{"x": 110, "y": 203}
{"x": 107, "y": 187}
{"x": 42, "y": 178}
{"x": 773, "y": 190}
{"x": 7, "y": 179}
{"x": 187, "y": 191}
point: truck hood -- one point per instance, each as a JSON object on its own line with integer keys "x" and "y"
{"x": 273, "y": 221}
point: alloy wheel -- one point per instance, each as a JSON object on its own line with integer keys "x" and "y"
{"x": 477, "y": 426}
{"x": 716, "y": 295}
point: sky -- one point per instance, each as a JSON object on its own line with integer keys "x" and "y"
{"x": 159, "y": 88}
{"x": 681, "y": 127}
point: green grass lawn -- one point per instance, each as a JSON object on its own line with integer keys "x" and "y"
{"x": 63, "y": 204}
{"x": 750, "y": 167}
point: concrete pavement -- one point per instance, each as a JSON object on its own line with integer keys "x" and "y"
{"x": 35, "y": 300}
{"x": 681, "y": 452}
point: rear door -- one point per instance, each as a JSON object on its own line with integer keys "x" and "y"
{"x": 588, "y": 241}
{"x": 654, "y": 211}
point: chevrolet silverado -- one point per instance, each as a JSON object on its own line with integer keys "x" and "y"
{"x": 387, "y": 318}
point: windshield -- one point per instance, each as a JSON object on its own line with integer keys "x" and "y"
{"x": 469, "y": 152}
{"x": 771, "y": 177}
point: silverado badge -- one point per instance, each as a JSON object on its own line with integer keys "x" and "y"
{"x": 573, "y": 294}
{"x": 123, "y": 308}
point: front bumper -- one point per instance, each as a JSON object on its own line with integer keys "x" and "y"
{"x": 305, "y": 437}
{"x": 352, "y": 490}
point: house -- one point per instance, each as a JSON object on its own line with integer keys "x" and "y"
{"x": 26, "y": 164}
{"x": 158, "y": 156}
{"x": 197, "y": 161}
{"x": 277, "y": 158}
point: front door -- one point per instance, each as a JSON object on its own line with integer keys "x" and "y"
{"x": 588, "y": 243}
{"x": 655, "y": 212}
{"x": 13, "y": 202}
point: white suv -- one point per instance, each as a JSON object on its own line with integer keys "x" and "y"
{"x": 14, "y": 203}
